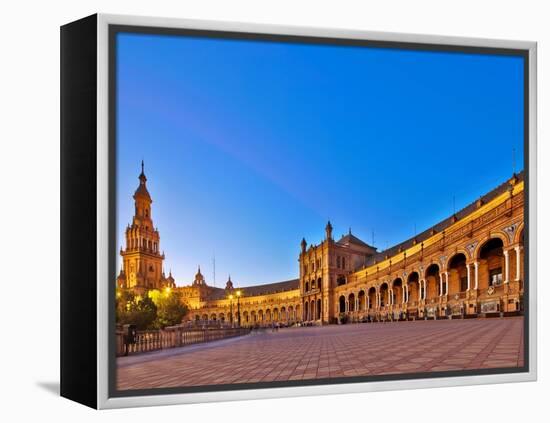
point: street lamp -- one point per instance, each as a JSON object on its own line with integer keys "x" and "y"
{"x": 231, "y": 309}
{"x": 238, "y": 308}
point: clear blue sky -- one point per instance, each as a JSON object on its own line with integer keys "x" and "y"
{"x": 250, "y": 146}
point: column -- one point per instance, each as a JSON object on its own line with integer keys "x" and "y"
{"x": 518, "y": 262}
{"x": 420, "y": 290}
{"x": 424, "y": 290}
{"x": 441, "y": 284}
{"x": 357, "y": 303}
{"x": 506, "y": 266}
{"x": 403, "y": 293}
{"x": 476, "y": 266}
{"x": 468, "y": 275}
{"x": 446, "y": 283}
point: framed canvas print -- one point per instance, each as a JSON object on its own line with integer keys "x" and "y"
{"x": 254, "y": 211}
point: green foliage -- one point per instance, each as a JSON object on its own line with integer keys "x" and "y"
{"x": 134, "y": 309}
{"x": 170, "y": 308}
{"x": 156, "y": 310}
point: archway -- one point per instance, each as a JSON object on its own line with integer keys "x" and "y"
{"x": 491, "y": 263}
{"x": 397, "y": 288}
{"x": 361, "y": 297}
{"x": 318, "y": 310}
{"x": 372, "y": 298}
{"x": 351, "y": 302}
{"x": 342, "y": 304}
{"x": 384, "y": 291}
{"x": 432, "y": 281}
{"x": 458, "y": 274}
{"x": 413, "y": 284}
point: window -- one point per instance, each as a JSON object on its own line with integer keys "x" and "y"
{"x": 495, "y": 277}
{"x": 343, "y": 262}
{"x": 338, "y": 262}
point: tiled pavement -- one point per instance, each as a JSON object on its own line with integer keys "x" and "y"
{"x": 333, "y": 351}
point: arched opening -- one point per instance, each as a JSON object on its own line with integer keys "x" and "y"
{"x": 372, "y": 297}
{"x": 351, "y": 302}
{"x": 384, "y": 294}
{"x": 297, "y": 313}
{"x": 342, "y": 304}
{"x": 283, "y": 314}
{"x": 291, "y": 316}
{"x": 413, "y": 284}
{"x": 319, "y": 281}
{"x": 432, "y": 281}
{"x": 458, "y": 274}
{"x": 306, "y": 311}
{"x": 261, "y": 316}
{"x": 253, "y": 317}
{"x": 276, "y": 315}
{"x": 362, "y": 300}
{"x": 268, "y": 315}
{"x": 306, "y": 289}
{"x": 312, "y": 310}
{"x": 491, "y": 263}
{"x": 318, "y": 309}
{"x": 397, "y": 288}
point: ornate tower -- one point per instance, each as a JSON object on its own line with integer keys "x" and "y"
{"x": 141, "y": 259}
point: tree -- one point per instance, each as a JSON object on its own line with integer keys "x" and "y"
{"x": 170, "y": 307}
{"x": 134, "y": 309}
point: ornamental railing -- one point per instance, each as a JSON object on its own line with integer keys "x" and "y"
{"x": 171, "y": 337}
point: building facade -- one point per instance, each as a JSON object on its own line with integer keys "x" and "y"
{"x": 469, "y": 265}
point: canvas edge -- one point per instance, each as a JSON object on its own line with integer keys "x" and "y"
{"x": 103, "y": 400}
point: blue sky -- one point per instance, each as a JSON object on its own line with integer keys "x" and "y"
{"x": 250, "y": 146}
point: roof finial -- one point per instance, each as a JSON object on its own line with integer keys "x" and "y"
{"x": 142, "y": 166}
{"x": 350, "y": 230}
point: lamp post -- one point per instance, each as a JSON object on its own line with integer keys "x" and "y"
{"x": 231, "y": 309}
{"x": 238, "y": 309}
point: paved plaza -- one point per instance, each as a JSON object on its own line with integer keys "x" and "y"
{"x": 332, "y": 351}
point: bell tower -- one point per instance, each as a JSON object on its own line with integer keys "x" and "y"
{"x": 141, "y": 258}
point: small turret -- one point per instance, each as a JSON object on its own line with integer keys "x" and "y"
{"x": 328, "y": 231}
{"x": 199, "y": 278}
{"x": 304, "y": 245}
{"x": 229, "y": 284}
